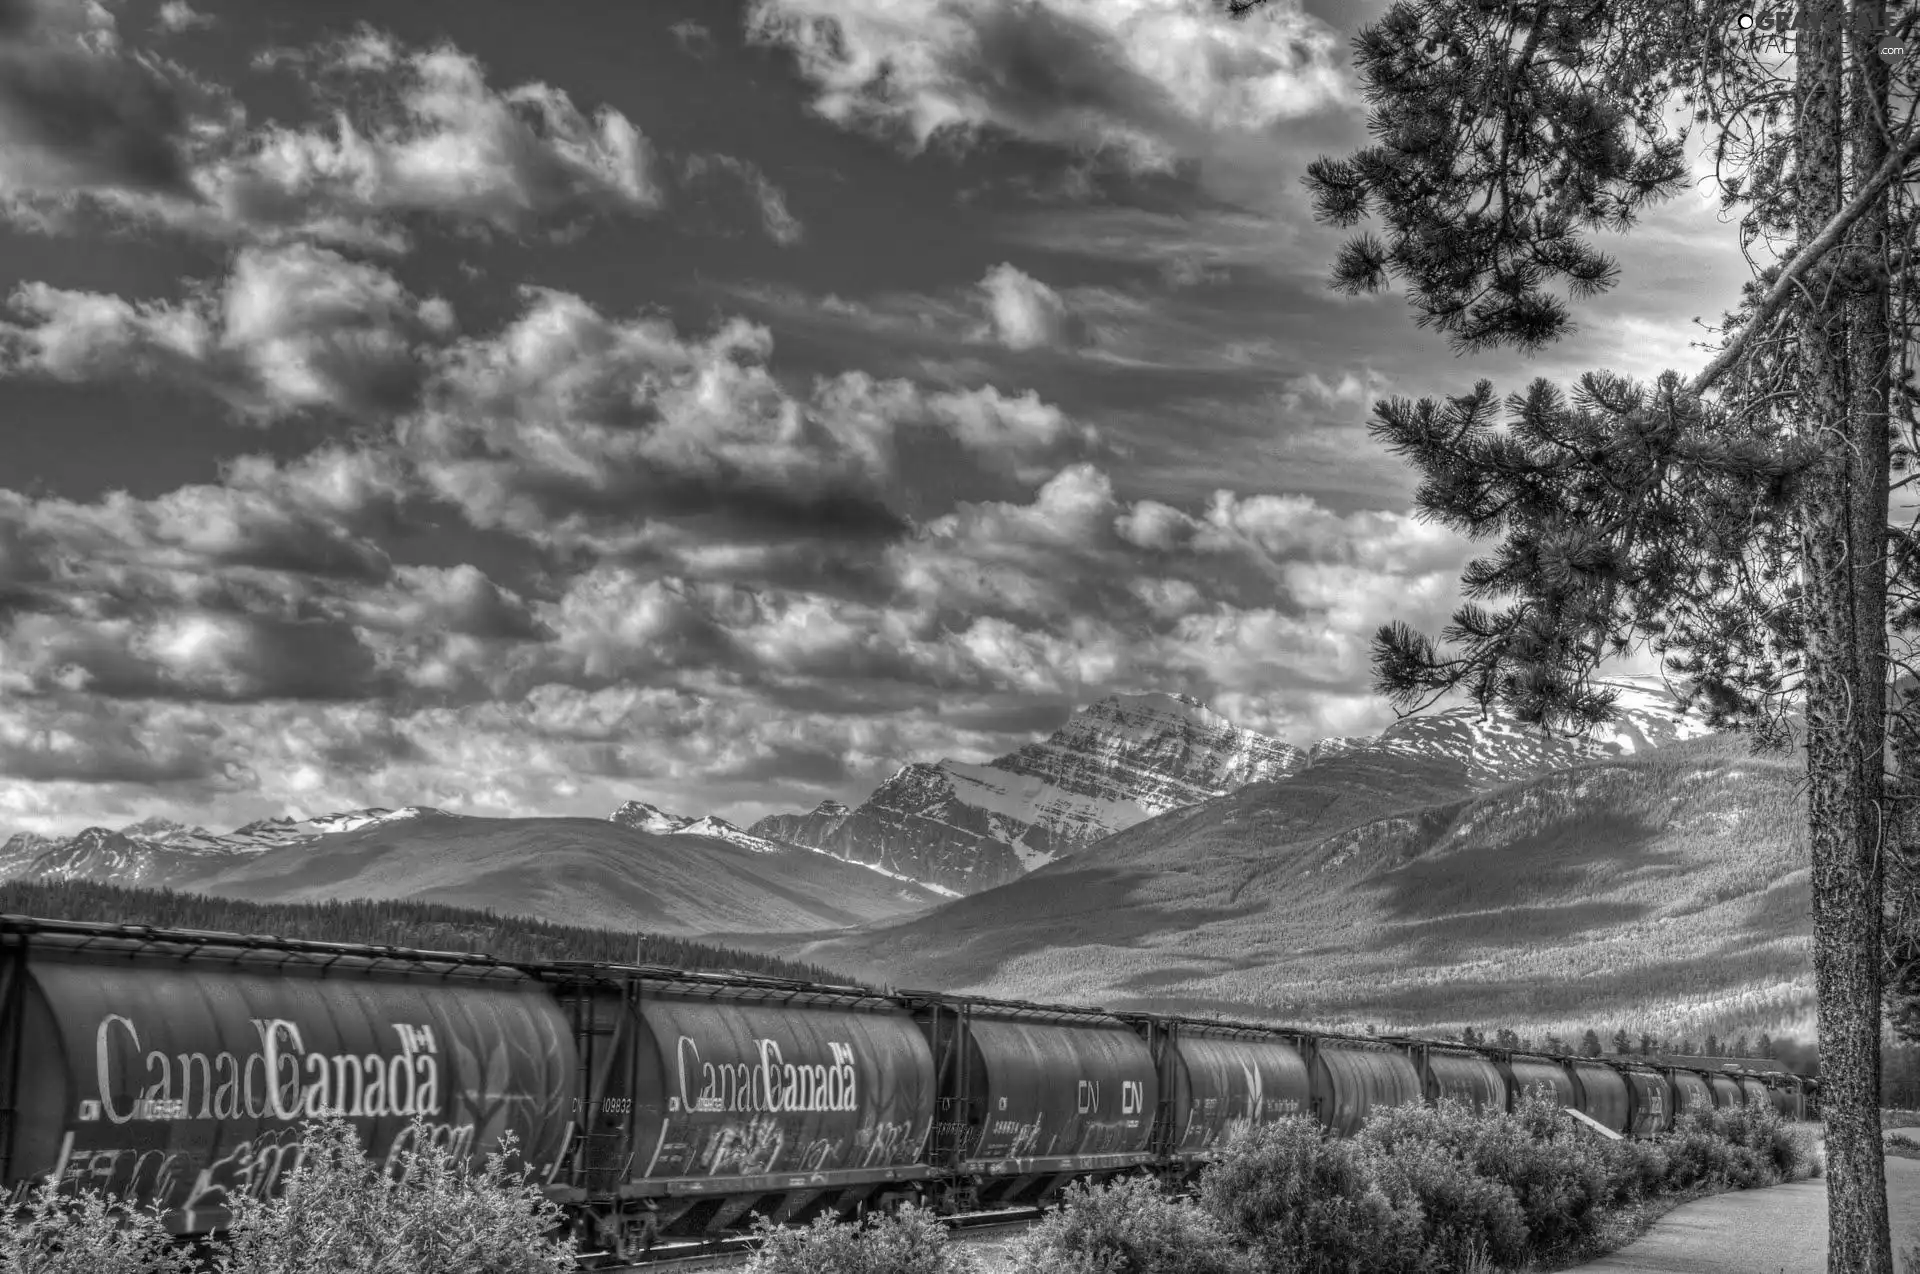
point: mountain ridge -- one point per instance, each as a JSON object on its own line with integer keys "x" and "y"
{"x": 977, "y": 825}
{"x": 1664, "y": 885}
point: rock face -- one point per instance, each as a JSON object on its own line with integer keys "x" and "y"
{"x": 643, "y": 817}
{"x": 968, "y": 826}
{"x": 1128, "y": 758}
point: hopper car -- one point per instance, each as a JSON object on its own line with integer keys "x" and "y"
{"x": 178, "y": 1068}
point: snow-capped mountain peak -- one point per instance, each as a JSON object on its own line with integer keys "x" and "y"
{"x": 643, "y": 817}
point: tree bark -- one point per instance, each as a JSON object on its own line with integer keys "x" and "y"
{"x": 1846, "y": 661}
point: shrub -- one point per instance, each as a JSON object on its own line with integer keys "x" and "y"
{"x": 1128, "y": 1227}
{"x": 1308, "y": 1203}
{"x": 338, "y": 1212}
{"x": 1464, "y": 1217}
{"x": 1559, "y": 1180}
{"x": 87, "y": 1233}
{"x": 910, "y": 1241}
{"x": 1635, "y": 1170}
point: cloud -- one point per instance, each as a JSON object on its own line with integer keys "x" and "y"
{"x": 82, "y": 741}
{"x": 1024, "y": 313}
{"x": 421, "y": 131}
{"x": 176, "y": 16}
{"x": 568, "y": 420}
{"x": 291, "y": 329}
{"x": 769, "y": 202}
{"x": 694, "y": 39}
{"x": 408, "y": 132}
{"x": 79, "y": 113}
{"x": 1150, "y": 82}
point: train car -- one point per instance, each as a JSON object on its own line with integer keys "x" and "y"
{"x": 1726, "y": 1091}
{"x": 1217, "y": 1078}
{"x": 1651, "y": 1099}
{"x": 1600, "y": 1093}
{"x": 176, "y": 1068}
{"x": 1461, "y": 1073}
{"x": 1033, "y": 1096}
{"x": 1354, "y": 1078}
{"x": 712, "y": 1094}
{"x": 1689, "y": 1090}
{"x": 1752, "y": 1090}
{"x": 1523, "y": 1071}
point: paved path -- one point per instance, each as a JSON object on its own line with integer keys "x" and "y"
{"x": 1779, "y": 1230}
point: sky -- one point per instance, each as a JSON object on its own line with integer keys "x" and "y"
{"x": 716, "y": 404}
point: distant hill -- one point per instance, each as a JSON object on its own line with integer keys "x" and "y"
{"x": 581, "y": 870}
{"x": 1668, "y": 886}
{"x": 589, "y": 871}
{"x": 401, "y": 924}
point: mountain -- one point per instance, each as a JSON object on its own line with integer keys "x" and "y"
{"x": 581, "y": 871}
{"x": 97, "y": 853}
{"x": 641, "y": 869}
{"x": 1130, "y": 758}
{"x": 643, "y": 817}
{"x": 651, "y": 818}
{"x": 1388, "y": 885}
{"x": 970, "y": 826}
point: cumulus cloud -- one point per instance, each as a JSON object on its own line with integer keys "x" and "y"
{"x": 422, "y": 131}
{"x": 78, "y": 113}
{"x": 1148, "y": 81}
{"x": 290, "y": 329}
{"x": 568, "y": 420}
{"x": 176, "y": 16}
{"x": 1024, "y": 313}
{"x": 408, "y": 131}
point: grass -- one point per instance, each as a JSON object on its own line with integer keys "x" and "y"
{"x": 1666, "y": 891}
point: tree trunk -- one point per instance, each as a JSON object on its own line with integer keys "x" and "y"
{"x": 1846, "y": 664}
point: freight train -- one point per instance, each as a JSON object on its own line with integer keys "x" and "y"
{"x": 177, "y": 1068}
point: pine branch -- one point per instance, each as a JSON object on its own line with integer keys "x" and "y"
{"x": 1803, "y": 261}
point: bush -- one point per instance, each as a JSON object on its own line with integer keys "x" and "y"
{"x": 1308, "y": 1203}
{"x": 1128, "y": 1227}
{"x": 1465, "y": 1218}
{"x": 87, "y": 1233}
{"x": 1556, "y": 1178}
{"x": 1635, "y": 1170}
{"x": 910, "y": 1241}
{"x": 338, "y": 1212}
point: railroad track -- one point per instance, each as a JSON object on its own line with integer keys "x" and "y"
{"x": 719, "y": 1253}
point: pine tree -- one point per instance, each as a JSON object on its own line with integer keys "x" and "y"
{"x": 1554, "y": 1044}
{"x": 1622, "y": 1042}
{"x": 1735, "y": 524}
{"x": 1646, "y": 1044}
{"x": 1741, "y": 1045}
{"x": 1590, "y": 1043}
{"x": 1505, "y": 1037}
{"x": 1713, "y": 1045}
{"x": 1763, "y": 1047}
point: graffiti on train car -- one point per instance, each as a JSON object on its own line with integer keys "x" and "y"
{"x": 179, "y": 1179}
{"x": 771, "y": 1084}
{"x": 888, "y": 1142}
{"x": 280, "y": 1080}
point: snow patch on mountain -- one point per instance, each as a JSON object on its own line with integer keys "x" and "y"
{"x": 652, "y": 819}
